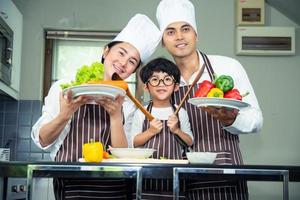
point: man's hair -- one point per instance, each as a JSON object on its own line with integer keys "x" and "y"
{"x": 160, "y": 65}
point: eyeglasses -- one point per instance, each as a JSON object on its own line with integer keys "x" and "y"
{"x": 155, "y": 81}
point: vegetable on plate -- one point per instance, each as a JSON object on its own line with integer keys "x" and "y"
{"x": 215, "y": 92}
{"x": 203, "y": 89}
{"x": 234, "y": 94}
{"x": 94, "y": 72}
{"x": 224, "y": 82}
{"x": 121, "y": 84}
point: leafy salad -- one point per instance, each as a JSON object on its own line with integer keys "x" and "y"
{"x": 94, "y": 72}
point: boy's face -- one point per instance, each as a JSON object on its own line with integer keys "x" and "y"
{"x": 161, "y": 86}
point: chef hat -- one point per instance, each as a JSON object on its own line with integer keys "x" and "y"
{"x": 170, "y": 11}
{"x": 142, "y": 33}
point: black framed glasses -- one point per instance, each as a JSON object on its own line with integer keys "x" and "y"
{"x": 155, "y": 81}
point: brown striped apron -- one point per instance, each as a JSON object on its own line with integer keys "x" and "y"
{"x": 210, "y": 136}
{"x": 166, "y": 146}
{"x": 88, "y": 122}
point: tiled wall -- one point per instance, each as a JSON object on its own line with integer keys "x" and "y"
{"x": 16, "y": 120}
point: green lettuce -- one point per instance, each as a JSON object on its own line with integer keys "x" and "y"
{"x": 94, "y": 72}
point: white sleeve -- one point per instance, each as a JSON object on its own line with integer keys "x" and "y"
{"x": 185, "y": 125}
{"x": 49, "y": 111}
{"x": 137, "y": 125}
{"x": 128, "y": 110}
{"x": 249, "y": 120}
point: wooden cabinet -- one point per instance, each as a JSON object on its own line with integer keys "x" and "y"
{"x": 14, "y": 19}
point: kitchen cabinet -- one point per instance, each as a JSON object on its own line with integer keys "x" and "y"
{"x": 14, "y": 19}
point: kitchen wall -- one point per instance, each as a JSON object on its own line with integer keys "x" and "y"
{"x": 275, "y": 78}
{"x": 16, "y": 120}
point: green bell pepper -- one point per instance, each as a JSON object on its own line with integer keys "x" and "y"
{"x": 224, "y": 82}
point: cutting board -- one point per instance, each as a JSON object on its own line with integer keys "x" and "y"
{"x": 135, "y": 160}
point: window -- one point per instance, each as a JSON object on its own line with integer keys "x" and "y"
{"x": 66, "y": 51}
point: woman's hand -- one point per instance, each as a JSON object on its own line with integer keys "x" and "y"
{"x": 51, "y": 130}
{"x": 112, "y": 106}
{"x": 155, "y": 126}
{"x": 68, "y": 105}
{"x": 172, "y": 123}
{"x": 225, "y": 115}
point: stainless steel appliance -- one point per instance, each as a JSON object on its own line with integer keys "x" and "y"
{"x": 6, "y": 50}
{"x": 16, "y": 189}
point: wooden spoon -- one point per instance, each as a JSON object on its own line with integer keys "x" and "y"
{"x": 116, "y": 76}
{"x": 190, "y": 89}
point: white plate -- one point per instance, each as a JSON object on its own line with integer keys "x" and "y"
{"x": 131, "y": 152}
{"x": 96, "y": 90}
{"x": 218, "y": 102}
{"x": 201, "y": 157}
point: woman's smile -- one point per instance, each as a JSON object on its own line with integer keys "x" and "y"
{"x": 118, "y": 69}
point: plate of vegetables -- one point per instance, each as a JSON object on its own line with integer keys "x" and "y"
{"x": 89, "y": 81}
{"x": 219, "y": 93}
{"x": 96, "y": 90}
{"x": 217, "y": 102}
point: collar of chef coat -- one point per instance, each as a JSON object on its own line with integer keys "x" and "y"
{"x": 205, "y": 73}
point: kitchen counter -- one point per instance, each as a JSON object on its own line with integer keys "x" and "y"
{"x": 19, "y": 169}
{"x": 139, "y": 171}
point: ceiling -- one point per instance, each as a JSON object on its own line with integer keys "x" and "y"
{"x": 289, "y": 8}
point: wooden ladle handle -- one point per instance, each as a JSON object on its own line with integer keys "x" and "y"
{"x": 115, "y": 76}
{"x": 190, "y": 88}
{"x": 139, "y": 105}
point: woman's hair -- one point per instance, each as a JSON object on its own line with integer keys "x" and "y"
{"x": 110, "y": 45}
{"x": 160, "y": 65}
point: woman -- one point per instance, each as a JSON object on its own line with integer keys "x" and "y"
{"x": 66, "y": 122}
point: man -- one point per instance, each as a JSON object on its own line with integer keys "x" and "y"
{"x": 214, "y": 129}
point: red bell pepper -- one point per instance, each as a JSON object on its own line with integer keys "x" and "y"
{"x": 203, "y": 89}
{"x": 234, "y": 94}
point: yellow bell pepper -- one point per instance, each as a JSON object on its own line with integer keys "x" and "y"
{"x": 215, "y": 92}
{"x": 93, "y": 152}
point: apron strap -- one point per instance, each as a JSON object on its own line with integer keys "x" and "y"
{"x": 208, "y": 65}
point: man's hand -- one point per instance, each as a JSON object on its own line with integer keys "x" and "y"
{"x": 225, "y": 115}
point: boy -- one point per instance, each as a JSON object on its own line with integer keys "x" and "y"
{"x": 167, "y": 131}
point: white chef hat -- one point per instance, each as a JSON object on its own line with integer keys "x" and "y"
{"x": 142, "y": 33}
{"x": 170, "y": 11}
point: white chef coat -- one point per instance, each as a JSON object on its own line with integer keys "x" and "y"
{"x": 51, "y": 109}
{"x": 250, "y": 119}
{"x": 162, "y": 114}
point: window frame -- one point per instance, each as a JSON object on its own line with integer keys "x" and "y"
{"x": 51, "y": 35}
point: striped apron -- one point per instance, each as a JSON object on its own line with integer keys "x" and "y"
{"x": 209, "y": 136}
{"x": 166, "y": 146}
{"x": 88, "y": 122}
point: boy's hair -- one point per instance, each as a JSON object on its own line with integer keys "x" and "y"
{"x": 160, "y": 65}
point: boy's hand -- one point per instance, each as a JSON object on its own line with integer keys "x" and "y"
{"x": 172, "y": 123}
{"x": 155, "y": 126}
